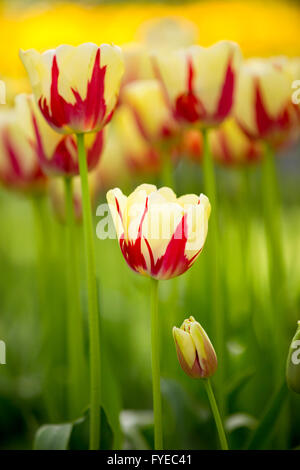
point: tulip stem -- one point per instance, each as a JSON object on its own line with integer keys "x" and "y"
{"x": 272, "y": 210}
{"x": 246, "y": 215}
{"x": 94, "y": 330}
{"x": 216, "y": 413}
{"x": 215, "y": 266}
{"x": 74, "y": 315}
{"x": 158, "y": 435}
{"x": 43, "y": 265}
{"x": 167, "y": 167}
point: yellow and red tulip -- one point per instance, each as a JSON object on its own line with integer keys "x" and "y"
{"x": 159, "y": 234}
{"x": 230, "y": 145}
{"x": 195, "y": 352}
{"x": 19, "y": 164}
{"x": 76, "y": 88}
{"x": 294, "y": 70}
{"x": 168, "y": 33}
{"x": 137, "y": 152}
{"x": 263, "y": 100}
{"x": 137, "y": 64}
{"x": 200, "y": 82}
{"x": 57, "y": 153}
{"x": 153, "y": 116}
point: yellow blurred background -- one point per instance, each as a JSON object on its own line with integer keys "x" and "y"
{"x": 260, "y": 27}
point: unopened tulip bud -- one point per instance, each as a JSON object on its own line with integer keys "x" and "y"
{"x": 293, "y": 363}
{"x": 195, "y": 352}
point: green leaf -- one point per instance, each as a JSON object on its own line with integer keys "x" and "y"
{"x": 264, "y": 430}
{"x": 238, "y": 421}
{"x": 236, "y": 384}
{"x": 73, "y": 436}
{"x": 80, "y": 433}
{"x": 53, "y": 437}
{"x": 135, "y": 426}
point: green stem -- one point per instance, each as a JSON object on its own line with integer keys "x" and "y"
{"x": 245, "y": 227}
{"x": 74, "y": 315}
{"x": 43, "y": 265}
{"x": 272, "y": 210}
{"x": 167, "y": 167}
{"x": 215, "y": 268}
{"x": 94, "y": 330}
{"x": 217, "y": 417}
{"x": 158, "y": 435}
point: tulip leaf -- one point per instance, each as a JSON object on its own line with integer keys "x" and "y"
{"x": 238, "y": 421}
{"x": 73, "y": 436}
{"x": 53, "y": 437}
{"x": 264, "y": 430}
{"x": 80, "y": 434}
{"x": 238, "y": 383}
{"x": 135, "y": 424}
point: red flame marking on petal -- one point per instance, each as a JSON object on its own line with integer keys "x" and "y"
{"x": 85, "y": 114}
{"x": 132, "y": 251}
{"x": 226, "y": 98}
{"x": 14, "y": 176}
{"x": 64, "y": 159}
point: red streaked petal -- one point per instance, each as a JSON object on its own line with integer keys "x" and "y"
{"x": 63, "y": 160}
{"x": 133, "y": 254}
{"x": 85, "y": 114}
{"x": 226, "y": 98}
{"x": 174, "y": 261}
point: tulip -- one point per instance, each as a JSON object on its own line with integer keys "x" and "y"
{"x": 195, "y": 352}
{"x": 137, "y": 64}
{"x": 160, "y": 235}
{"x": 168, "y": 33}
{"x": 155, "y": 120}
{"x": 200, "y": 86}
{"x": 259, "y": 114}
{"x": 154, "y": 117}
{"x": 198, "y": 359}
{"x": 13, "y": 87}
{"x": 200, "y": 82}
{"x": 76, "y": 88}
{"x": 293, "y": 363}
{"x": 57, "y": 154}
{"x": 19, "y": 165}
{"x": 230, "y": 146}
{"x": 155, "y": 35}
{"x": 293, "y": 67}
{"x": 138, "y": 154}
{"x": 263, "y": 110}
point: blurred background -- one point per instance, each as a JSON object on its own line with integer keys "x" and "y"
{"x": 33, "y": 380}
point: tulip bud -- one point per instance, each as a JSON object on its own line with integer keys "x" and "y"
{"x": 293, "y": 363}
{"x": 195, "y": 352}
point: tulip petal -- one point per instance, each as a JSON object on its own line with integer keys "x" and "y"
{"x": 76, "y": 87}
{"x": 186, "y": 346}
